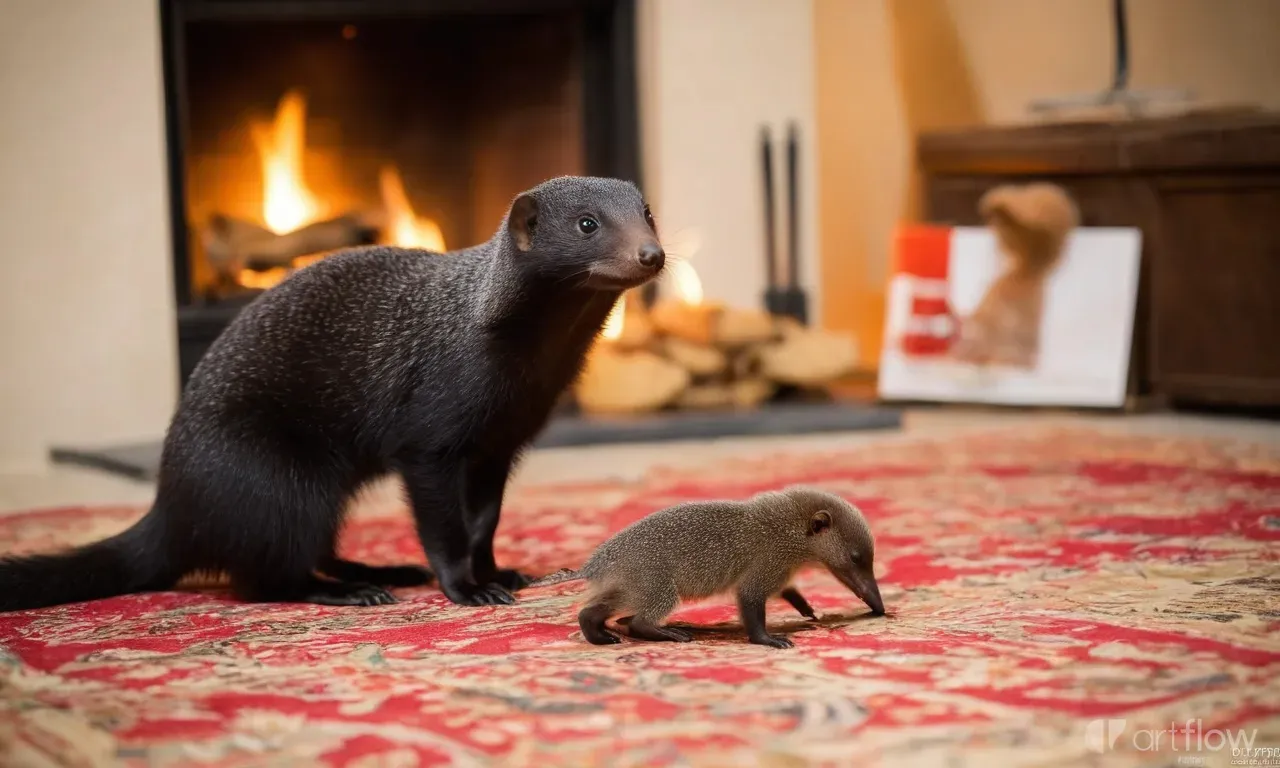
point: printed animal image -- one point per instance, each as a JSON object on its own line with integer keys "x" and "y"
{"x": 1031, "y": 224}
{"x": 699, "y": 549}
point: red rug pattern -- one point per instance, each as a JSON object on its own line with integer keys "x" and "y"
{"x": 1037, "y": 581}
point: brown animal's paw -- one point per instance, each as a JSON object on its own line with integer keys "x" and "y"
{"x": 676, "y": 635}
{"x": 511, "y": 579}
{"x": 475, "y": 594}
{"x": 642, "y": 630}
{"x": 602, "y": 638}
{"x": 773, "y": 641}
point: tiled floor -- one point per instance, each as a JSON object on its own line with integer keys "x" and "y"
{"x": 62, "y": 486}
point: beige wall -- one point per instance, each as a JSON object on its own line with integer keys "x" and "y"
{"x": 712, "y": 72}
{"x": 888, "y": 69}
{"x": 87, "y": 348}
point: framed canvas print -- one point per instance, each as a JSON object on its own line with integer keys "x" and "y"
{"x": 1014, "y": 317}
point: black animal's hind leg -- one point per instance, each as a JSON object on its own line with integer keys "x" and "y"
{"x": 486, "y": 483}
{"x": 287, "y": 586}
{"x": 435, "y": 485}
{"x": 592, "y": 621}
{"x": 381, "y": 575}
{"x": 297, "y": 513}
{"x": 797, "y": 601}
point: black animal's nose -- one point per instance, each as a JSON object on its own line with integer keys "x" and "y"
{"x": 652, "y": 255}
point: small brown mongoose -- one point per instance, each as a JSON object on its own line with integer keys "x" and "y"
{"x": 703, "y": 548}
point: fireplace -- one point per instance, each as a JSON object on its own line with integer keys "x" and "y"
{"x": 296, "y": 128}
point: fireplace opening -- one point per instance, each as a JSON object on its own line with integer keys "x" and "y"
{"x": 296, "y": 129}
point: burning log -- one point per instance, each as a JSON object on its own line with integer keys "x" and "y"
{"x": 232, "y": 244}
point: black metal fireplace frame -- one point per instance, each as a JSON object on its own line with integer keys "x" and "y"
{"x": 610, "y": 125}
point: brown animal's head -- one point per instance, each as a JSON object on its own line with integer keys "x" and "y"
{"x": 838, "y": 537}
{"x": 586, "y": 232}
{"x": 1032, "y": 222}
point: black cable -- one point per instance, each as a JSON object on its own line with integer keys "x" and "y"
{"x": 1120, "y": 79}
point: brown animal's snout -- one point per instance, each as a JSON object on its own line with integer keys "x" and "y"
{"x": 863, "y": 584}
{"x": 651, "y": 256}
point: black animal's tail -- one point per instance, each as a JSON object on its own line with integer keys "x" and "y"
{"x": 134, "y": 560}
{"x": 559, "y": 577}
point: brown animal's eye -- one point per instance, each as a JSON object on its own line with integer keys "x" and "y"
{"x": 648, "y": 218}
{"x": 587, "y": 225}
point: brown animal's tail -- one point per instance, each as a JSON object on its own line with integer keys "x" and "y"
{"x": 559, "y": 577}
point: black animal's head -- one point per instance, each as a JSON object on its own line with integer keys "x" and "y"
{"x": 589, "y": 232}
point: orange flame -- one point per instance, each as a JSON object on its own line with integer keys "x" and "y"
{"x": 404, "y": 228}
{"x": 287, "y": 204}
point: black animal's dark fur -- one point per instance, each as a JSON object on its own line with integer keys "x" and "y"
{"x": 439, "y": 367}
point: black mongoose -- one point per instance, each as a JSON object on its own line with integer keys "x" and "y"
{"x": 703, "y": 548}
{"x": 376, "y": 360}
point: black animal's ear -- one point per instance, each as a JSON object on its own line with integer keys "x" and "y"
{"x": 523, "y": 221}
{"x": 821, "y": 521}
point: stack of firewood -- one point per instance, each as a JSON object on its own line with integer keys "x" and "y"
{"x": 686, "y": 355}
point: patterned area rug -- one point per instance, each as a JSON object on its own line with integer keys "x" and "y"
{"x": 1056, "y": 597}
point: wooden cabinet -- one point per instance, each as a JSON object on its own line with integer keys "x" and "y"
{"x": 1204, "y": 190}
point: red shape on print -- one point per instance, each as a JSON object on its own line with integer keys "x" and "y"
{"x": 924, "y": 254}
{"x": 924, "y": 251}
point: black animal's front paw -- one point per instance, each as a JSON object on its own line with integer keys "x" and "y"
{"x": 773, "y": 641}
{"x": 465, "y": 593}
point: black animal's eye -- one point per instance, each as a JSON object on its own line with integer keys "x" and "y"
{"x": 648, "y": 217}
{"x": 587, "y": 225}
